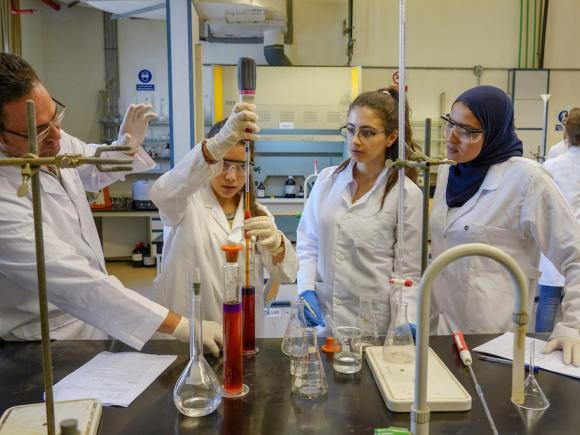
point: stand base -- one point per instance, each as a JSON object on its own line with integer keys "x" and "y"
{"x": 31, "y": 419}
{"x": 251, "y": 352}
{"x": 245, "y": 390}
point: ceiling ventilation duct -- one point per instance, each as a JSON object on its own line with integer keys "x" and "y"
{"x": 247, "y": 21}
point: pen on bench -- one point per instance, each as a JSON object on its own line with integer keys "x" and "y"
{"x": 504, "y": 361}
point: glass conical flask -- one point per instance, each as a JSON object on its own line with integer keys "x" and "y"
{"x": 294, "y": 328}
{"x": 367, "y": 322}
{"x": 292, "y": 341}
{"x": 309, "y": 379}
{"x": 197, "y": 392}
{"x": 534, "y": 397}
{"x": 399, "y": 346}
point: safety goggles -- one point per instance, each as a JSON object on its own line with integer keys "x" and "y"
{"x": 43, "y": 130}
{"x": 465, "y": 134}
{"x": 365, "y": 135}
{"x": 239, "y": 167}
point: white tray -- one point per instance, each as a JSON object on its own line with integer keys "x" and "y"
{"x": 31, "y": 419}
{"x": 397, "y": 383}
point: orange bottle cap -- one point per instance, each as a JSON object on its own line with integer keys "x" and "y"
{"x": 231, "y": 252}
{"x": 330, "y": 346}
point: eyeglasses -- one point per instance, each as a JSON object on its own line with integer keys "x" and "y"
{"x": 365, "y": 135}
{"x": 240, "y": 167}
{"x": 465, "y": 134}
{"x": 42, "y": 131}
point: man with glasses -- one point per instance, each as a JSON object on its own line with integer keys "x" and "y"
{"x": 84, "y": 301}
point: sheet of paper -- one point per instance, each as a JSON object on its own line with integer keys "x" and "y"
{"x": 503, "y": 346}
{"x": 113, "y": 378}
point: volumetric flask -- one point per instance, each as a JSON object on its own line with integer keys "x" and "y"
{"x": 399, "y": 346}
{"x": 309, "y": 379}
{"x": 197, "y": 392}
{"x": 367, "y": 322}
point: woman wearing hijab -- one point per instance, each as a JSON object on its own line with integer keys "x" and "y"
{"x": 495, "y": 196}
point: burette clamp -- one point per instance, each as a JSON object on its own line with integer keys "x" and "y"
{"x": 403, "y": 282}
{"x": 520, "y": 319}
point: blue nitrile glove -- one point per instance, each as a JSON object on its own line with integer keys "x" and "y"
{"x": 413, "y": 330}
{"x": 311, "y": 299}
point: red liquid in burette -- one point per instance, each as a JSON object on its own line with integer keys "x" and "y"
{"x": 233, "y": 364}
{"x": 249, "y": 321}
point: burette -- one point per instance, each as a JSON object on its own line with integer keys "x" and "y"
{"x": 399, "y": 273}
{"x": 247, "y": 89}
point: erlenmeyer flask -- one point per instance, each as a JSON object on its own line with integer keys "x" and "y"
{"x": 534, "y": 397}
{"x": 309, "y": 379}
{"x": 292, "y": 341}
{"x": 399, "y": 346}
{"x": 197, "y": 392}
{"x": 293, "y": 334}
{"x": 367, "y": 322}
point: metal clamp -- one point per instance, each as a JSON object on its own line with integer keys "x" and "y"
{"x": 520, "y": 319}
{"x": 420, "y": 416}
{"x": 100, "y": 150}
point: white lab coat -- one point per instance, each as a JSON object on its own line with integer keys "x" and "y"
{"x": 77, "y": 281}
{"x": 198, "y": 229}
{"x": 348, "y": 250}
{"x": 558, "y": 149}
{"x": 565, "y": 168}
{"x": 520, "y": 210}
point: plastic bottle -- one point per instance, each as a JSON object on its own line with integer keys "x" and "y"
{"x": 137, "y": 255}
{"x": 290, "y": 187}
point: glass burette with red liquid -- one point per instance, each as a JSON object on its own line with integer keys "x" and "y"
{"x": 233, "y": 386}
{"x": 247, "y": 89}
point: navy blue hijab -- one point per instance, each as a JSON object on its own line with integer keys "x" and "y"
{"x": 494, "y": 110}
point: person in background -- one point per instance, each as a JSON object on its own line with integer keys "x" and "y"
{"x": 495, "y": 196}
{"x": 85, "y": 302}
{"x": 565, "y": 169}
{"x": 200, "y": 201}
{"x": 347, "y": 236}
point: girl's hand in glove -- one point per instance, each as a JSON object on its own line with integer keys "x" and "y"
{"x": 241, "y": 125}
{"x": 264, "y": 229}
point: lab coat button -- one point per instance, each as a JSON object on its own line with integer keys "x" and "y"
{"x": 338, "y": 302}
{"x": 340, "y": 257}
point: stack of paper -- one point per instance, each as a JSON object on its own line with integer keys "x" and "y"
{"x": 503, "y": 346}
{"x": 113, "y": 378}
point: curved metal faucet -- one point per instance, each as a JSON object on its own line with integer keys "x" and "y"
{"x": 420, "y": 413}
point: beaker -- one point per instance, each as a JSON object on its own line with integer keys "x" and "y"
{"x": 233, "y": 363}
{"x": 197, "y": 392}
{"x": 534, "y": 397}
{"x": 367, "y": 322}
{"x": 349, "y": 359}
{"x": 309, "y": 379}
{"x": 249, "y": 307}
{"x": 292, "y": 341}
{"x": 399, "y": 346}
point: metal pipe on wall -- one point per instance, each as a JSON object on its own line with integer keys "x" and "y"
{"x": 426, "y": 196}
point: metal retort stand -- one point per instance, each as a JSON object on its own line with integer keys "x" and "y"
{"x": 31, "y": 419}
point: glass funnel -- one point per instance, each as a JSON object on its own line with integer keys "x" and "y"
{"x": 197, "y": 392}
{"x": 534, "y": 397}
{"x": 399, "y": 346}
{"x": 309, "y": 379}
